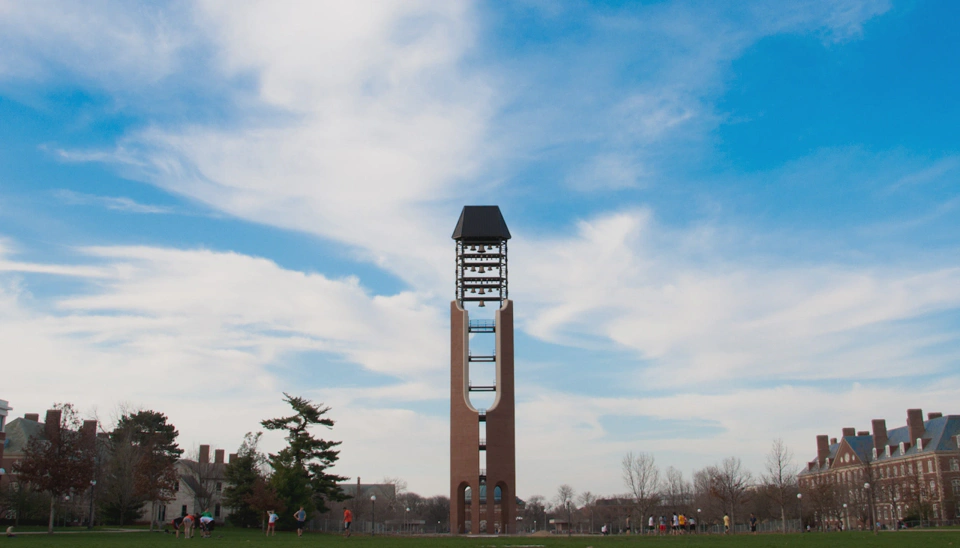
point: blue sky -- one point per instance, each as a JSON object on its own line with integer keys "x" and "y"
{"x": 731, "y": 223}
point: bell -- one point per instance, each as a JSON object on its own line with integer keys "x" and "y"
{"x": 482, "y": 270}
{"x": 482, "y": 292}
{"x": 473, "y": 269}
{"x": 473, "y": 290}
{"x": 473, "y": 248}
{"x": 482, "y": 305}
{"x": 481, "y": 249}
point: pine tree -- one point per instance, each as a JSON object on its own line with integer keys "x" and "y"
{"x": 300, "y": 471}
{"x": 241, "y": 476}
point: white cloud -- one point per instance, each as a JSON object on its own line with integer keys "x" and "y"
{"x": 207, "y": 338}
{"x": 623, "y": 278}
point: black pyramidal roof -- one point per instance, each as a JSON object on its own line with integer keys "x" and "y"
{"x": 481, "y": 223}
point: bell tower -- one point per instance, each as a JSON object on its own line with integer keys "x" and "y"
{"x": 482, "y": 441}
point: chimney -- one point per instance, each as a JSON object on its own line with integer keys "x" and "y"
{"x": 849, "y": 432}
{"x": 204, "y": 457}
{"x": 833, "y": 441}
{"x": 88, "y": 432}
{"x": 51, "y": 425}
{"x": 914, "y": 424}
{"x": 863, "y": 433}
{"x": 823, "y": 449}
{"x": 880, "y": 435}
{"x": 218, "y": 456}
{"x": 35, "y": 417}
{"x": 935, "y": 415}
{"x": 233, "y": 457}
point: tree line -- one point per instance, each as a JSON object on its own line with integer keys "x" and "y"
{"x": 726, "y": 488}
{"x": 138, "y": 464}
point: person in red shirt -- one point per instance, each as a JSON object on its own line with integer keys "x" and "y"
{"x": 347, "y": 520}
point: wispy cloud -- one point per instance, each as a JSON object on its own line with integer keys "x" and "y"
{"x": 110, "y": 202}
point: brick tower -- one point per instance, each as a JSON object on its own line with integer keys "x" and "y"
{"x": 482, "y": 497}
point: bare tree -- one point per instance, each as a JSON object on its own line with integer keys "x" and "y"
{"x": 535, "y": 511}
{"x": 677, "y": 492}
{"x": 564, "y": 503}
{"x": 781, "y": 478}
{"x": 201, "y": 478}
{"x": 642, "y": 478}
{"x": 728, "y": 484}
{"x": 588, "y": 501}
{"x": 823, "y": 495}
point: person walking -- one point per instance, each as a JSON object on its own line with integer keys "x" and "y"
{"x": 301, "y": 517}
{"x": 753, "y": 524}
{"x": 726, "y": 524}
{"x": 272, "y": 518}
{"x": 347, "y": 520}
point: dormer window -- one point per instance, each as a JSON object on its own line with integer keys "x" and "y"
{"x": 889, "y": 450}
{"x": 903, "y": 447}
{"x": 874, "y": 453}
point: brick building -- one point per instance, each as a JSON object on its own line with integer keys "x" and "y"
{"x": 907, "y": 473}
{"x": 18, "y": 432}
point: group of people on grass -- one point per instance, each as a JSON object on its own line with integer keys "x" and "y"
{"x": 677, "y": 525}
{"x": 188, "y": 522}
{"x": 205, "y": 522}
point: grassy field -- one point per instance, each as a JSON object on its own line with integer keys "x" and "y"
{"x": 250, "y": 539}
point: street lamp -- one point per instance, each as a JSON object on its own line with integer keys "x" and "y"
{"x": 800, "y": 510}
{"x": 699, "y": 521}
{"x": 872, "y": 510}
{"x": 93, "y": 485}
{"x": 405, "y": 510}
{"x": 373, "y": 506}
{"x": 846, "y": 518}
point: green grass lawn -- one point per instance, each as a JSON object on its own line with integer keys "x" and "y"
{"x": 251, "y": 539}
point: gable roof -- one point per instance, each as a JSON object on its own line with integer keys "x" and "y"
{"x": 940, "y": 432}
{"x": 19, "y": 432}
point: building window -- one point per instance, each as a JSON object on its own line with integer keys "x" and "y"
{"x": 933, "y": 487}
{"x": 216, "y": 510}
{"x": 176, "y": 488}
{"x": 956, "y": 487}
{"x": 219, "y": 487}
{"x": 936, "y": 511}
{"x": 183, "y": 510}
{"x": 954, "y": 465}
{"x": 930, "y": 466}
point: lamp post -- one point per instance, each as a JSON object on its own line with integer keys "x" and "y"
{"x": 800, "y": 510}
{"x": 93, "y": 485}
{"x": 373, "y": 508}
{"x": 699, "y": 521}
{"x": 871, "y": 508}
{"x": 405, "y": 510}
{"x": 846, "y": 518}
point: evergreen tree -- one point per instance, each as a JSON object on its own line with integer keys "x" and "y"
{"x": 241, "y": 476}
{"x": 300, "y": 471}
{"x": 142, "y": 467}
